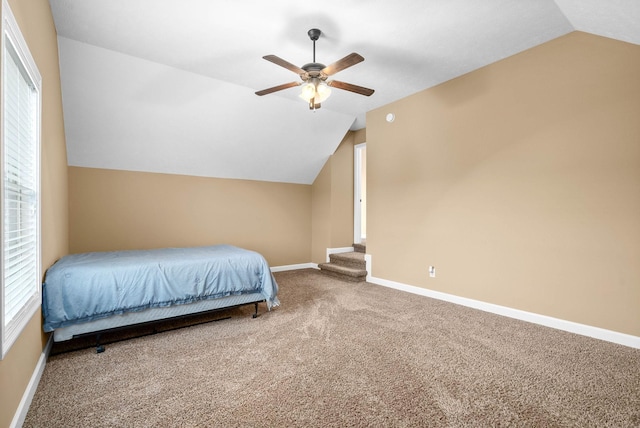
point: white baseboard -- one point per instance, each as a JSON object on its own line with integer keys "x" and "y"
{"x": 294, "y": 267}
{"x": 311, "y": 265}
{"x": 337, "y": 251}
{"x": 367, "y": 261}
{"x": 547, "y": 321}
{"x": 27, "y": 397}
{"x": 570, "y": 326}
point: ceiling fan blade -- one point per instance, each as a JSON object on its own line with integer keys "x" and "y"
{"x": 341, "y": 64}
{"x": 349, "y": 87}
{"x": 278, "y": 88}
{"x": 282, "y": 63}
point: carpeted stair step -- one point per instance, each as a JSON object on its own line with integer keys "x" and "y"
{"x": 360, "y": 248}
{"x": 352, "y": 259}
{"x": 349, "y": 266}
{"x": 344, "y": 272}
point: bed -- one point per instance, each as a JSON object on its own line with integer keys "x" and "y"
{"x": 90, "y": 293}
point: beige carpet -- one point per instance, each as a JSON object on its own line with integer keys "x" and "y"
{"x": 344, "y": 354}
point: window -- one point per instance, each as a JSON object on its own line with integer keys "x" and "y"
{"x": 20, "y": 153}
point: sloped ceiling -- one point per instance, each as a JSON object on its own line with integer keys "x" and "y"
{"x": 167, "y": 86}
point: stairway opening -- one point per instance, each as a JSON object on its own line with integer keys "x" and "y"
{"x": 349, "y": 266}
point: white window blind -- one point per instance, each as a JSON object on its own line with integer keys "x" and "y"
{"x": 20, "y": 188}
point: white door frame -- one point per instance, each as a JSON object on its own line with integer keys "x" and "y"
{"x": 357, "y": 190}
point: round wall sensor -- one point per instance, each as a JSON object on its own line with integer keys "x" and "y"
{"x": 391, "y": 117}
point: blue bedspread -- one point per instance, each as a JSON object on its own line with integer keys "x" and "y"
{"x": 85, "y": 287}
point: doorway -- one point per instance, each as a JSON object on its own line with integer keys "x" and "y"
{"x": 360, "y": 193}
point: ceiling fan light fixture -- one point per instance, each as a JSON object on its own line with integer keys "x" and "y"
{"x": 315, "y": 89}
{"x": 323, "y": 91}
{"x": 308, "y": 91}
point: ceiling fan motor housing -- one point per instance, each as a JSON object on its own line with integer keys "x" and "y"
{"x": 313, "y": 69}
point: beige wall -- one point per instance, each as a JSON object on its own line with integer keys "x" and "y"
{"x": 36, "y": 24}
{"x": 321, "y": 214}
{"x": 332, "y": 200}
{"x": 519, "y": 182}
{"x": 342, "y": 194}
{"x": 119, "y": 210}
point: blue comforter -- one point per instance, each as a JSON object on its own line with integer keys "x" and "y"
{"x": 85, "y": 287}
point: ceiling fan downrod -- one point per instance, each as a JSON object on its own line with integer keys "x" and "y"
{"x": 314, "y": 34}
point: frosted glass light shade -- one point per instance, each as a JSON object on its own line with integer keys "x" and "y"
{"x": 315, "y": 89}
{"x": 322, "y": 92}
{"x": 308, "y": 92}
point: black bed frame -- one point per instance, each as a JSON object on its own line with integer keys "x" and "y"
{"x": 100, "y": 344}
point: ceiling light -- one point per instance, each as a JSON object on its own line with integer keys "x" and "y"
{"x": 322, "y": 92}
{"x": 315, "y": 91}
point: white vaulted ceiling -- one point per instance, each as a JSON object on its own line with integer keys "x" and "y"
{"x": 168, "y": 86}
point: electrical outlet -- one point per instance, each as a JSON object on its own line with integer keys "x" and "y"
{"x": 432, "y": 271}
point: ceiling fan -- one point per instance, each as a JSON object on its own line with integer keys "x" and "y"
{"x": 314, "y": 76}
